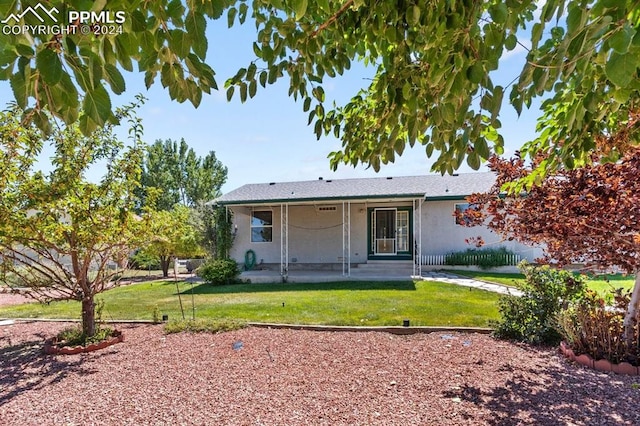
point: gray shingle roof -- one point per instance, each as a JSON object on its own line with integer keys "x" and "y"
{"x": 429, "y": 186}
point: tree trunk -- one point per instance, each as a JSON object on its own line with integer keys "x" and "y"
{"x": 631, "y": 317}
{"x": 88, "y": 316}
{"x": 164, "y": 265}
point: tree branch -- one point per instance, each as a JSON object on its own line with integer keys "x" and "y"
{"x": 333, "y": 18}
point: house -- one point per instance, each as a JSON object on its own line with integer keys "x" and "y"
{"x": 341, "y": 224}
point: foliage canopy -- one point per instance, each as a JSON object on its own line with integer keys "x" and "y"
{"x": 433, "y": 63}
{"x": 61, "y": 236}
{"x": 180, "y": 176}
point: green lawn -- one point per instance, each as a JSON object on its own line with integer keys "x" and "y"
{"x": 601, "y": 284}
{"x": 339, "y": 303}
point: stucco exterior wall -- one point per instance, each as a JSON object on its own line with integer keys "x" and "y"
{"x": 441, "y": 234}
{"x": 316, "y": 235}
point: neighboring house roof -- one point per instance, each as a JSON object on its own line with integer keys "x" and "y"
{"x": 429, "y": 186}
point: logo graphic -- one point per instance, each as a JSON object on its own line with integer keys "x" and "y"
{"x": 34, "y": 12}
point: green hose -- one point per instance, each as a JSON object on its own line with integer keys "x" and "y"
{"x": 249, "y": 260}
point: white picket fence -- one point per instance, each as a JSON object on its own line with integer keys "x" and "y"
{"x": 510, "y": 259}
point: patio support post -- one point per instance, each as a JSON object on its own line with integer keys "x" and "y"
{"x": 417, "y": 235}
{"x": 346, "y": 238}
{"x": 284, "y": 241}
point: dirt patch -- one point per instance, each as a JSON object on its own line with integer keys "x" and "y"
{"x": 260, "y": 376}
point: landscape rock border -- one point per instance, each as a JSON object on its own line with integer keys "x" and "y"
{"x": 603, "y": 365}
{"x": 51, "y": 347}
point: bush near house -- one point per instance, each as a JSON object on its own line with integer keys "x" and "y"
{"x": 485, "y": 258}
{"x": 219, "y": 271}
{"x": 595, "y": 327}
{"x": 532, "y": 317}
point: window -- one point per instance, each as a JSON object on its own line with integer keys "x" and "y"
{"x": 460, "y": 208}
{"x": 261, "y": 226}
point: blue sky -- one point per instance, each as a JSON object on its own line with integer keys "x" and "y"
{"x": 267, "y": 138}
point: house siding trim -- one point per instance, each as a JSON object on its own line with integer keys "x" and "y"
{"x": 311, "y": 200}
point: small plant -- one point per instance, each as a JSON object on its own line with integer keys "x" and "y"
{"x": 593, "y": 326}
{"x": 219, "y": 272}
{"x": 532, "y": 317}
{"x": 99, "y": 310}
{"x": 156, "y": 314}
{"x": 73, "y": 336}
{"x": 203, "y": 326}
{"x": 485, "y": 258}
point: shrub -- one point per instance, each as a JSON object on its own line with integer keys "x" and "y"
{"x": 485, "y": 258}
{"x": 193, "y": 264}
{"x": 532, "y": 317}
{"x": 203, "y": 326}
{"x": 144, "y": 261}
{"x": 219, "y": 271}
{"x": 74, "y": 336}
{"x": 594, "y": 327}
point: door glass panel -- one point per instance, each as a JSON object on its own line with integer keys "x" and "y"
{"x": 385, "y": 231}
{"x": 403, "y": 231}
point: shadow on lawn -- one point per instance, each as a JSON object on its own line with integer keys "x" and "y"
{"x": 554, "y": 395}
{"x": 24, "y": 367}
{"x": 203, "y": 288}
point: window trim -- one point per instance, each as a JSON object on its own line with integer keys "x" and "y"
{"x": 252, "y": 226}
{"x": 455, "y": 210}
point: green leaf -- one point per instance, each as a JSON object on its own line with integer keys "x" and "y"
{"x": 231, "y": 16}
{"x": 413, "y": 15}
{"x": 24, "y": 50}
{"x": 481, "y": 146}
{"x": 621, "y": 69}
{"x": 138, "y": 21}
{"x": 263, "y": 78}
{"x": 475, "y": 73}
{"x": 575, "y": 17}
{"x": 7, "y": 56}
{"x": 251, "y": 71}
{"x": 510, "y": 42}
{"x": 19, "y": 87}
{"x": 179, "y": 44}
{"x": 243, "y": 12}
{"x": 620, "y": 41}
{"x": 97, "y": 105}
{"x": 499, "y": 13}
{"x": 122, "y": 44}
{"x": 196, "y": 26}
{"x": 473, "y": 160}
{"x": 115, "y": 79}
{"x": 323, "y": 5}
{"x": 42, "y": 121}
{"x": 230, "y": 91}
{"x": 536, "y": 33}
{"x": 50, "y": 67}
{"x": 300, "y": 8}
{"x": 253, "y": 87}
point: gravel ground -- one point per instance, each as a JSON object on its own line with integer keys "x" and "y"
{"x": 260, "y": 376}
{"x": 12, "y": 298}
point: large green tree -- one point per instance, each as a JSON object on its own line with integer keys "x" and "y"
{"x": 433, "y": 63}
{"x": 171, "y": 235}
{"x": 181, "y": 176}
{"x": 61, "y": 236}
